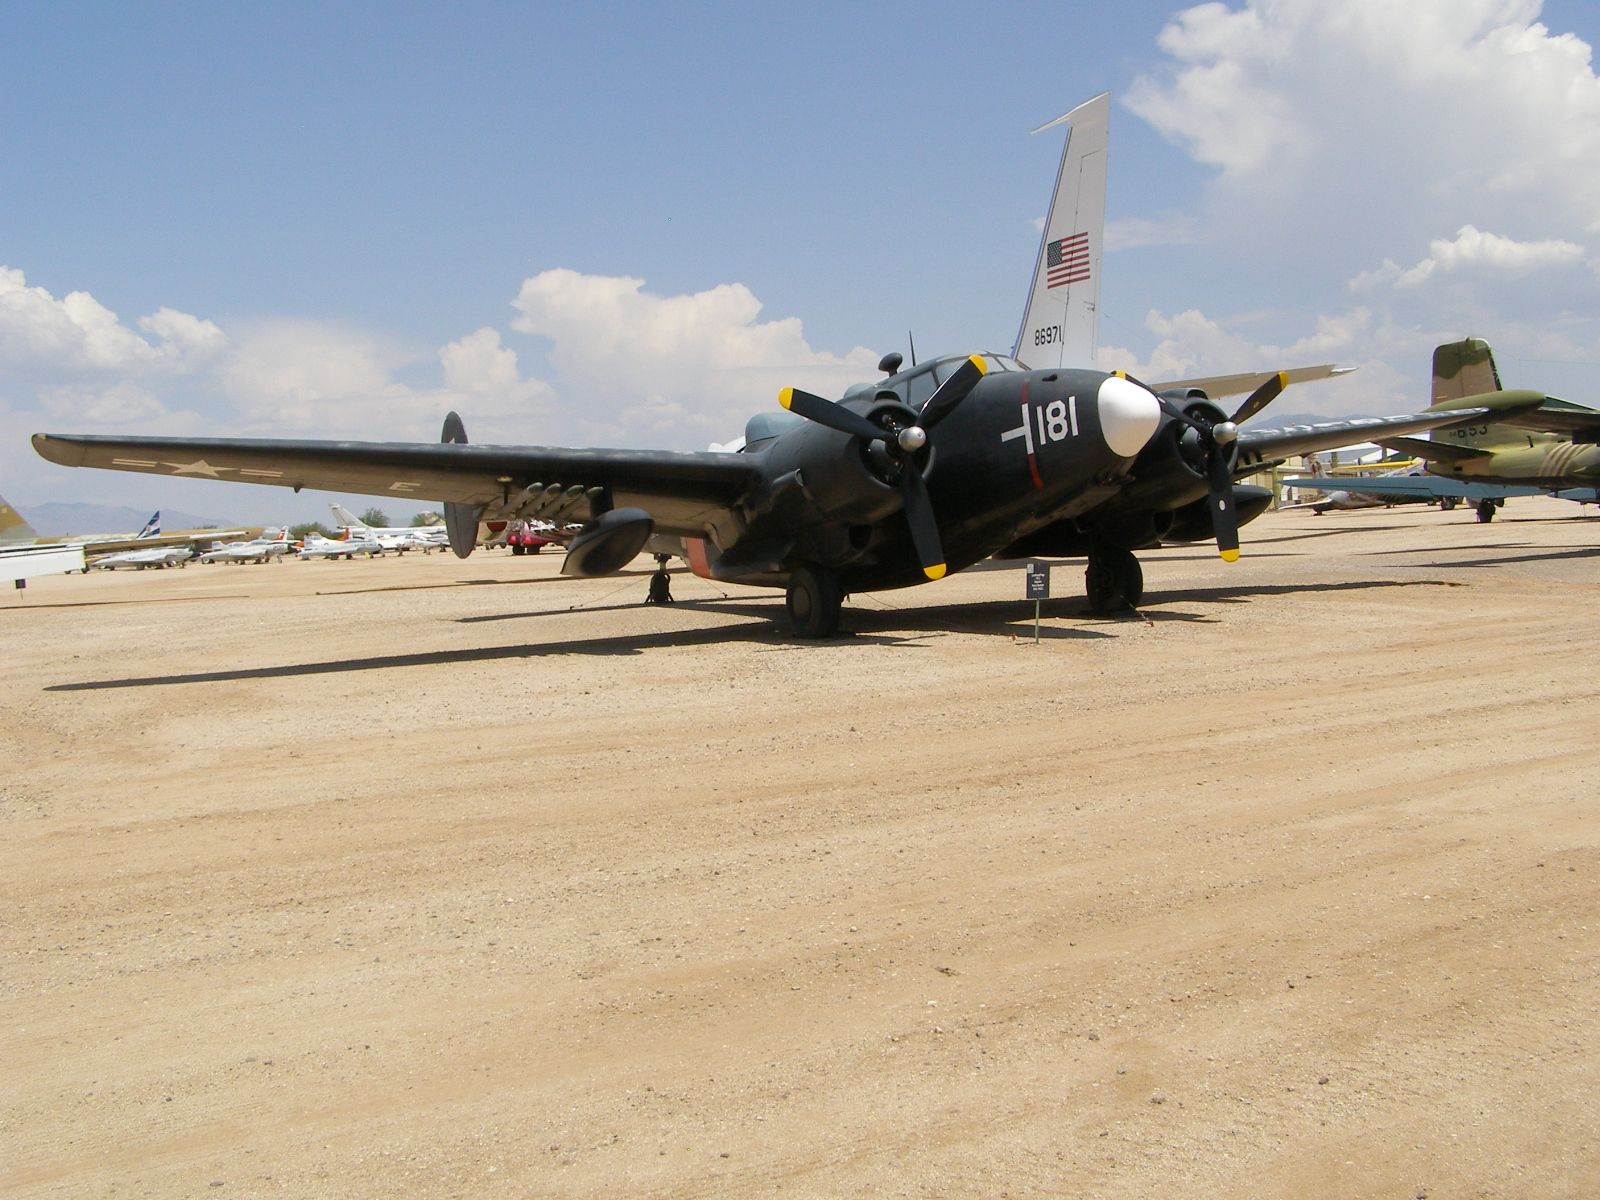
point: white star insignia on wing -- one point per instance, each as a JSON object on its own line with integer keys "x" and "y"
{"x": 199, "y": 467}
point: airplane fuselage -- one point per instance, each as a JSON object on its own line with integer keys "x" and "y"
{"x": 1025, "y": 449}
{"x": 1534, "y": 459}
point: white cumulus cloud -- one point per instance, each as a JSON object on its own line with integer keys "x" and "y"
{"x": 483, "y": 371}
{"x": 1473, "y": 248}
{"x": 77, "y": 332}
{"x": 675, "y": 370}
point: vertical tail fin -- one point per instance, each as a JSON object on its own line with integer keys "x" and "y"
{"x": 152, "y": 527}
{"x": 346, "y": 518}
{"x": 1060, "y": 318}
{"x": 1464, "y": 368}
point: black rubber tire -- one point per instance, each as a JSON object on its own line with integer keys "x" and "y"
{"x": 1113, "y": 580}
{"x": 813, "y": 602}
{"x": 1486, "y": 511}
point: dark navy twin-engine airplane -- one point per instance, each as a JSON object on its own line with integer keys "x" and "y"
{"x": 925, "y": 472}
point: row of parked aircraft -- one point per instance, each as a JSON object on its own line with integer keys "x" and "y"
{"x": 23, "y": 554}
{"x": 928, "y": 470}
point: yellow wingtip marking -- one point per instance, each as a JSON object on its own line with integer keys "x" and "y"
{"x": 786, "y": 397}
{"x": 1229, "y": 555}
{"x": 934, "y": 572}
{"x": 977, "y": 361}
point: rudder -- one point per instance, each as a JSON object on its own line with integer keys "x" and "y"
{"x": 1464, "y": 368}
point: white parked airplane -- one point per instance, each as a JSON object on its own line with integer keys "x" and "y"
{"x": 156, "y": 556}
{"x": 398, "y": 538}
{"x": 317, "y": 546}
{"x": 272, "y": 545}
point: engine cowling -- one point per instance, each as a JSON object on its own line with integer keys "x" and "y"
{"x": 1171, "y": 470}
{"x": 844, "y": 479}
{"x": 608, "y": 543}
{"x": 1192, "y": 522}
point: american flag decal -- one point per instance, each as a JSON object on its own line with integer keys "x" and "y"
{"x": 1067, "y": 260}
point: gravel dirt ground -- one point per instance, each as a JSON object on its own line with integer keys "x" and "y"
{"x": 421, "y": 877}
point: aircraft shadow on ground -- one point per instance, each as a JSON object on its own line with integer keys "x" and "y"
{"x": 1502, "y": 560}
{"x": 1241, "y": 593}
{"x": 897, "y": 628}
{"x": 472, "y": 583}
{"x": 26, "y": 607}
{"x": 909, "y": 627}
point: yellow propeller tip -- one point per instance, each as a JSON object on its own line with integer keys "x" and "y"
{"x": 977, "y": 361}
{"x": 934, "y": 572}
{"x": 1229, "y": 555}
{"x": 786, "y": 397}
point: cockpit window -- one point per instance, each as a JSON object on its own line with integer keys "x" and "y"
{"x": 920, "y": 389}
{"x": 1000, "y": 362}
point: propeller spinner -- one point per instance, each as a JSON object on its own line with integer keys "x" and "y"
{"x": 901, "y": 443}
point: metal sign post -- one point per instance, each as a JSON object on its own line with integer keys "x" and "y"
{"x": 1038, "y": 591}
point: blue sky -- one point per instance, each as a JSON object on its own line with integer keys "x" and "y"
{"x": 628, "y": 224}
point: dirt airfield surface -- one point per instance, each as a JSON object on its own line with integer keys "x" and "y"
{"x": 421, "y": 877}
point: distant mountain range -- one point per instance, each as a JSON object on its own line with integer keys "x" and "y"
{"x": 64, "y": 520}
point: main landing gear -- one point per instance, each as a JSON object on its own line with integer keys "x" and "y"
{"x": 1486, "y": 509}
{"x": 813, "y": 602}
{"x": 660, "y": 582}
{"x": 1113, "y": 580}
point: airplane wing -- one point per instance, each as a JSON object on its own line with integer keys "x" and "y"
{"x": 1237, "y": 385}
{"x": 686, "y": 493}
{"x": 1258, "y": 445}
{"x": 1417, "y": 486}
{"x": 1580, "y": 423}
{"x": 1433, "y": 451}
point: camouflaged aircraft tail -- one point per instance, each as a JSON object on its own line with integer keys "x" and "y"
{"x": 1464, "y": 368}
{"x": 13, "y": 527}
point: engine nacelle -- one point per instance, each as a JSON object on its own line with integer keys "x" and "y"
{"x": 1192, "y": 522}
{"x": 608, "y": 543}
{"x": 1171, "y": 470}
{"x": 844, "y": 479}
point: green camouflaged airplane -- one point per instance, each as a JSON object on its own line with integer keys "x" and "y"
{"x": 1548, "y": 450}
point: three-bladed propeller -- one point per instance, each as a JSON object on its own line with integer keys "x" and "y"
{"x": 901, "y": 443}
{"x": 1218, "y": 442}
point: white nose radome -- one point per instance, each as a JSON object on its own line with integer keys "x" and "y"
{"x": 1128, "y": 415}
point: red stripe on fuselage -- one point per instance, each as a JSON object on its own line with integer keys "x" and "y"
{"x": 694, "y": 550}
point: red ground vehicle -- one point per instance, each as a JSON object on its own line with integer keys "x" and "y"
{"x": 523, "y": 538}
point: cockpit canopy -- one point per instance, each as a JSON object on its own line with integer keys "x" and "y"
{"x": 914, "y": 386}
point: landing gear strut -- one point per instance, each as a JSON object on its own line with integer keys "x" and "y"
{"x": 1486, "y": 510}
{"x": 660, "y": 582}
{"x": 1113, "y": 579}
{"x": 813, "y": 602}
